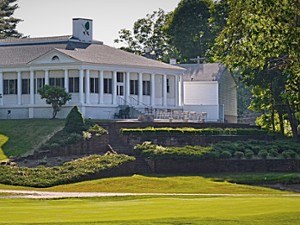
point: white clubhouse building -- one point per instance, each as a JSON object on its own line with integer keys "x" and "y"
{"x": 99, "y": 78}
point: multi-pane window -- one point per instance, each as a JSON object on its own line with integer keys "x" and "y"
{"x": 107, "y": 85}
{"x": 120, "y": 77}
{"x": 146, "y": 87}
{"x": 25, "y": 86}
{"x": 74, "y": 84}
{"x": 58, "y": 82}
{"x": 39, "y": 83}
{"x": 94, "y": 85}
{"x": 134, "y": 87}
{"x": 10, "y": 87}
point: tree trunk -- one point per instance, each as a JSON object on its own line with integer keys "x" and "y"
{"x": 293, "y": 121}
{"x": 281, "y": 123}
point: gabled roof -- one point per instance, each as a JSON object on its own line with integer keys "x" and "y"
{"x": 20, "y": 52}
{"x": 103, "y": 54}
{"x": 202, "y": 72}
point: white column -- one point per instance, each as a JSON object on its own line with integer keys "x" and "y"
{"x": 176, "y": 90}
{"x": 81, "y": 100}
{"x": 46, "y": 77}
{"x": 101, "y": 89}
{"x": 114, "y": 88}
{"x": 164, "y": 83}
{"x": 140, "y": 96}
{"x": 181, "y": 86}
{"x": 127, "y": 87}
{"x": 19, "y": 90}
{"x": 87, "y": 87}
{"x": 66, "y": 80}
{"x": 31, "y": 87}
{"x": 152, "y": 93}
{"x": 1, "y": 88}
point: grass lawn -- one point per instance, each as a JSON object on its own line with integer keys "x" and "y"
{"x": 34, "y": 131}
{"x": 162, "y": 184}
{"x": 156, "y": 184}
{"x": 3, "y": 140}
{"x": 153, "y": 210}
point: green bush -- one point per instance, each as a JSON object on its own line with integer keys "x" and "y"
{"x": 263, "y": 154}
{"x": 289, "y": 154}
{"x": 74, "y": 121}
{"x": 239, "y": 154}
{"x": 249, "y": 154}
{"x": 69, "y": 172}
{"x": 241, "y": 149}
{"x": 225, "y": 155}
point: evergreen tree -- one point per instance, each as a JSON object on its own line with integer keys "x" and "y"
{"x": 7, "y": 22}
{"x": 74, "y": 121}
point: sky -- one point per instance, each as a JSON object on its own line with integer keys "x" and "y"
{"x": 43, "y": 18}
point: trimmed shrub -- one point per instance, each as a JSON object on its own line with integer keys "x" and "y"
{"x": 74, "y": 121}
{"x": 263, "y": 154}
{"x": 239, "y": 155}
{"x": 289, "y": 154}
{"x": 249, "y": 154}
{"x": 225, "y": 155}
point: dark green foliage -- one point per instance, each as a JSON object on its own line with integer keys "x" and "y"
{"x": 69, "y": 172}
{"x": 224, "y": 150}
{"x": 239, "y": 154}
{"x": 289, "y": 154}
{"x": 263, "y": 154}
{"x": 249, "y": 154}
{"x": 62, "y": 138}
{"x": 189, "y": 28}
{"x": 147, "y": 149}
{"x": 74, "y": 121}
{"x": 7, "y": 22}
{"x": 225, "y": 155}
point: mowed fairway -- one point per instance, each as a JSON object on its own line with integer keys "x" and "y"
{"x": 153, "y": 210}
{"x": 261, "y": 206}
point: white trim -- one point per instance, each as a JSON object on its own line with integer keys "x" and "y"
{"x": 81, "y": 97}
{"x": 140, "y": 90}
{"x": 87, "y": 86}
{"x": 101, "y": 89}
{"x": 31, "y": 87}
{"x": 19, "y": 87}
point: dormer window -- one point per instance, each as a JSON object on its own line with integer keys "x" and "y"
{"x": 55, "y": 58}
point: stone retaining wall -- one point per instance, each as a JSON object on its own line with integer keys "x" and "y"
{"x": 172, "y": 166}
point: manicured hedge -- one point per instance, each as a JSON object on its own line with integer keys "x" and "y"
{"x": 224, "y": 150}
{"x": 67, "y": 173}
{"x": 194, "y": 131}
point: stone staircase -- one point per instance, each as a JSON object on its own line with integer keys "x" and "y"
{"x": 116, "y": 143}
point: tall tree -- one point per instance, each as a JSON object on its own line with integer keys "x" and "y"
{"x": 262, "y": 38}
{"x": 189, "y": 28}
{"x": 7, "y": 22}
{"x": 148, "y": 37}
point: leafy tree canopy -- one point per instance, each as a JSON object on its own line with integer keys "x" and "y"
{"x": 55, "y": 96}
{"x": 189, "y": 28}
{"x": 148, "y": 37}
{"x": 7, "y": 22}
{"x": 261, "y": 39}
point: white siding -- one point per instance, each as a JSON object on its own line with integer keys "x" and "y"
{"x": 201, "y": 93}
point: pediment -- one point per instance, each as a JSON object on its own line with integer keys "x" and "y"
{"x": 53, "y": 57}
